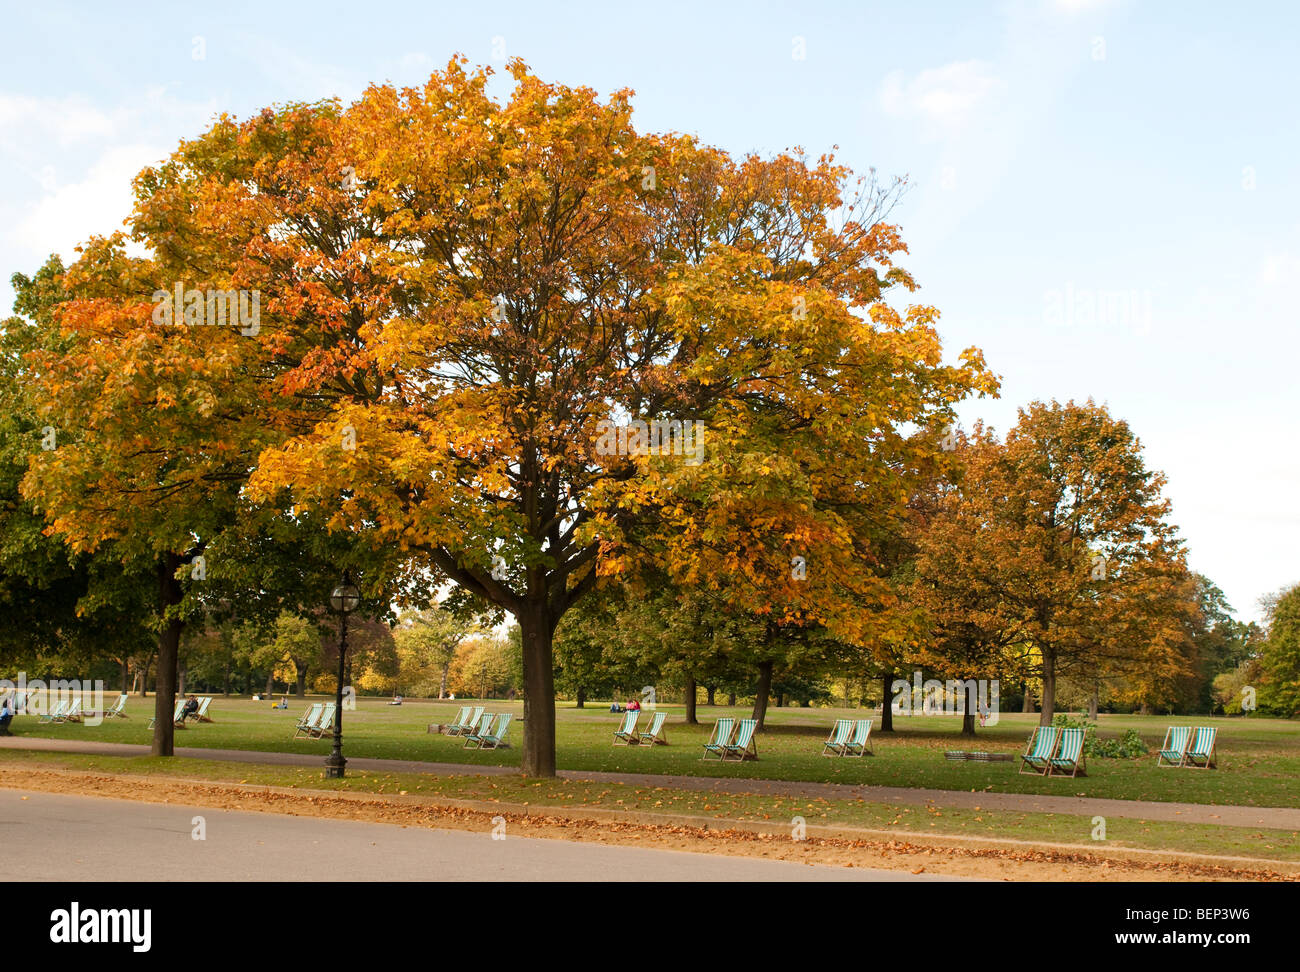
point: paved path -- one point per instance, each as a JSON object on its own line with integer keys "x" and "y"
{"x": 1279, "y": 818}
{"x": 57, "y": 837}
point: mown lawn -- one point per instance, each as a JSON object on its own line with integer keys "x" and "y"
{"x": 773, "y": 810}
{"x": 1259, "y": 759}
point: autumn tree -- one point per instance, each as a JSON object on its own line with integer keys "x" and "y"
{"x": 1057, "y": 544}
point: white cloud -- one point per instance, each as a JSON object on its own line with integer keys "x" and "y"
{"x": 94, "y": 205}
{"x": 945, "y": 97}
{"x": 67, "y": 120}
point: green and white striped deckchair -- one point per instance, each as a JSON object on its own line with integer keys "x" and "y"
{"x": 717, "y": 743}
{"x": 474, "y": 737}
{"x": 178, "y": 715}
{"x": 1174, "y": 748}
{"x": 860, "y": 744}
{"x": 655, "y": 734}
{"x": 471, "y": 721}
{"x": 742, "y": 748}
{"x": 55, "y": 713}
{"x": 1200, "y": 754}
{"x": 626, "y": 733}
{"x": 73, "y": 714}
{"x": 838, "y": 739}
{"x": 1069, "y": 756}
{"x": 496, "y": 739}
{"x": 202, "y": 714}
{"x": 326, "y": 721}
{"x": 118, "y": 708}
{"x": 453, "y": 728}
{"x": 309, "y": 719}
{"x": 1040, "y": 749}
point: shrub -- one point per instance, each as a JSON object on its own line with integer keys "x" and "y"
{"x": 1128, "y": 746}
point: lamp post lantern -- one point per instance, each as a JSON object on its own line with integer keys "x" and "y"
{"x": 344, "y": 599}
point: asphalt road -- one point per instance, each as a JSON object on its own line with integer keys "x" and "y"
{"x": 56, "y": 837}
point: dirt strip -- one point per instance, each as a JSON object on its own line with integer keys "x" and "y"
{"x": 934, "y": 854}
{"x": 1272, "y": 818}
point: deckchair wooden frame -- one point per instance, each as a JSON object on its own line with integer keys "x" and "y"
{"x": 626, "y": 734}
{"x": 743, "y": 746}
{"x": 1168, "y": 756}
{"x": 723, "y": 731}
{"x": 655, "y": 735}
{"x": 475, "y": 736}
{"x": 1040, "y": 753}
{"x": 326, "y": 721}
{"x": 1195, "y": 751}
{"x": 1078, "y": 763}
{"x": 496, "y": 738}
{"x": 454, "y": 727}
{"x": 309, "y": 719}
{"x": 863, "y": 745}
{"x": 839, "y": 738}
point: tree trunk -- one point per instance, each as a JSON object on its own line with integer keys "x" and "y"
{"x": 780, "y": 700}
{"x": 126, "y": 675}
{"x": 709, "y": 692}
{"x": 270, "y": 682}
{"x": 582, "y": 697}
{"x": 731, "y": 698}
{"x": 1028, "y": 704}
{"x": 442, "y": 684}
{"x": 690, "y": 701}
{"x": 169, "y": 640}
{"x": 886, "y": 703}
{"x": 302, "y": 682}
{"x": 764, "y": 690}
{"x": 968, "y": 716}
{"x": 180, "y": 678}
{"x": 539, "y": 691}
{"x": 1049, "y": 687}
{"x": 1094, "y": 702}
{"x": 226, "y": 678}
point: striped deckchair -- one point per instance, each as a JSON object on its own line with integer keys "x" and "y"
{"x": 55, "y": 713}
{"x": 1174, "y": 748}
{"x": 326, "y": 721}
{"x": 655, "y": 734}
{"x": 309, "y": 719}
{"x": 742, "y": 747}
{"x": 118, "y": 708}
{"x": 1069, "y": 756}
{"x": 178, "y": 715}
{"x": 717, "y": 743}
{"x": 474, "y": 737}
{"x": 626, "y": 733}
{"x": 453, "y": 728}
{"x": 1200, "y": 754}
{"x": 1040, "y": 748}
{"x": 202, "y": 714}
{"x": 71, "y": 714}
{"x": 838, "y": 739}
{"x": 496, "y": 739}
{"x": 470, "y": 722}
{"x": 860, "y": 744}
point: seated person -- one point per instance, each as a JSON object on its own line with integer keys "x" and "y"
{"x": 633, "y": 705}
{"x": 397, "y": 700}
{"x": 6, "y": 715}
{"x": 615, "y": 707}
{"x": 191, "y": 708}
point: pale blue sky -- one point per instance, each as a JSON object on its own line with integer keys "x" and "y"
{"x": 1106, "y": 193}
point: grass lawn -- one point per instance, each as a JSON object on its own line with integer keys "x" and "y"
{"x": 1258, "y": 759}
{"x": 541, "y": 795}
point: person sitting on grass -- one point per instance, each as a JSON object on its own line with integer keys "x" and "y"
{"x": 6, "y": 715}
{"x": 615, "y": 707}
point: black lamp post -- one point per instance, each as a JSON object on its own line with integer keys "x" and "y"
{"x": 344, "y": 599}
